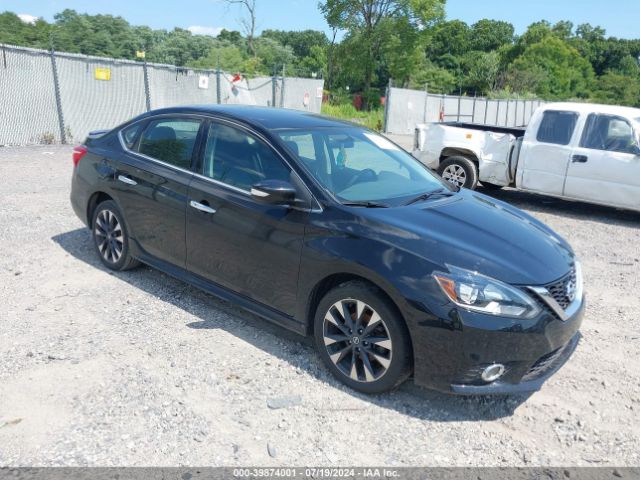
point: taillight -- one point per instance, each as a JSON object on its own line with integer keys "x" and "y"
{"x": 78, "y": 152}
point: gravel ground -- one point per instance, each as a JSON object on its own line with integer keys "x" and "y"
{"x": 136, "y": 368}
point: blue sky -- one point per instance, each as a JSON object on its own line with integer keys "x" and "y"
{"x": 620, "y": 18}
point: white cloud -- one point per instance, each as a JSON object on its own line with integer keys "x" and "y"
{"x": 200, "y": 30}
{"x": 26, "y": 18}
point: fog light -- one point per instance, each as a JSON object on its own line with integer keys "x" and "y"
{"x": 492, "y": 372}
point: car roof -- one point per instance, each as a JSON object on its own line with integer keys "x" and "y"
{"x": 262, "y": 117}
{"x": 627, "y": 112}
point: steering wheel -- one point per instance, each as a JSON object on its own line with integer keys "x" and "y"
{"x": 362, "y": 176}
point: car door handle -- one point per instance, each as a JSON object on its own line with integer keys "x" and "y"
{"x": 202, "y": 207}
{"x": 579, "y": 159}
{"x": 127, "y": 180}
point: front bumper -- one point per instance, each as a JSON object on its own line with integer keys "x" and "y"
{"x": 431, "y": 161}
{"x": 539, "y": 373}
{"x": 452, "y": 349}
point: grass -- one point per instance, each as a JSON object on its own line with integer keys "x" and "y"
{"x": 373, "y": 119}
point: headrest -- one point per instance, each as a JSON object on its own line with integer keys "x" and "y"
{"x": 162, "y": 133}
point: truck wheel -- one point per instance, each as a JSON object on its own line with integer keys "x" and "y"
{"x": 491, "y": 186}
{"x": 459, "y": 171}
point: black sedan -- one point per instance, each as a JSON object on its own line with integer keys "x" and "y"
{"x": 331, "y": 230}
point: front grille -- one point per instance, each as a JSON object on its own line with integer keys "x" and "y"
{"x": 563, "y": 291}
{"x": 551, "y": 361}
{"x": 543, "y": 365}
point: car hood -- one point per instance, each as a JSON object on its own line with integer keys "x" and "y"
{"x": 476, "y": 232}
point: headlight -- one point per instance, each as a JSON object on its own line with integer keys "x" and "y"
{"x": 473, "y": 291}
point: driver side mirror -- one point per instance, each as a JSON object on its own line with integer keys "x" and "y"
{"x": 274, "y": 192}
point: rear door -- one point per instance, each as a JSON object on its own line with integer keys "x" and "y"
{"x": 234, "y": 240}
{"x": 546, "y": 152}
{"x": 153, "y": 181}
{"x": 605, "y": 167}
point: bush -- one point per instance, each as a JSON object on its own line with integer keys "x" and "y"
{"x": 373, "y": 119}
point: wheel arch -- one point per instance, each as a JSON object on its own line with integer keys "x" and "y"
{"x": 331, "y": 281}
{"x": 459, "y": 152}
{"x": 96, "y": 199}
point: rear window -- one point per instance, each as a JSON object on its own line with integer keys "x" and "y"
{"x": 557, "y": 127}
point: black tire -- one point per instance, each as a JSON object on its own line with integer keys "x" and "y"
{"x": 491, "y": 186}
{"x": 111, "y": 238}
{"x": 389, "y": 342}
{"x": 461, "y": 168}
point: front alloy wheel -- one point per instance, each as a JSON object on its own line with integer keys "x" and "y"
{"x": 362, "y": 338}
{"x": 357, "y": 340}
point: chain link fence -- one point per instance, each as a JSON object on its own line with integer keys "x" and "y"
{"x": 51, "y": 97}
{"x": 405, "y": 108}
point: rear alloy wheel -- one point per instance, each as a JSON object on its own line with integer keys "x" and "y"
{"x": 361, "y": 338}
{"x": 110, "y": 237}
{"x": 459, "y": 171}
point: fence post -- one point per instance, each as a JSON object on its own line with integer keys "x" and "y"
{"x": 497, "y": 112}
{"x": 387, "y": 102}
{"x": 486, "y": 109}
{"x": 473, "y": 112}
{"x": 218, "y": 87}
{"x": 147, "y": 94}
{"x": 506, "y": 115}
{"x": 274, "y": 80}
{"x": 282, "y": 93}
{"x": 426, "y": 103}
{"x": 56, "y": 89}
{"x": 515, "y": 115}
{"x": 459, "y": 104}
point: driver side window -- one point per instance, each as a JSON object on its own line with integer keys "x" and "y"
{"x": 236, "y": 158}
{"x": 610, "y": 133}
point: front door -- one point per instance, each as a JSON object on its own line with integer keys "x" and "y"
{"x": 605, "y": 167}
{"x": 546, "y": 151}
{"x": 152, "y": 180}
{"x": 233, "y": 239}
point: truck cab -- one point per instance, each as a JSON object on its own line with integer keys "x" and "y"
{"x": 583, "y": 152}
{"x": 575, "y": 151}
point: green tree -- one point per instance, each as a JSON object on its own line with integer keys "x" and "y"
{"x": 489, "y": 35}
{"x": 364, "y": 20}
{"x": 448, "y": 38}
{"x": 618, "y": 89}
{"x": 563, "y": 73}
{"x": 273, "y": 54}
{"x": 482, "y": 69}
{"x": 225, "y": 55}
{"x": 435, "y": 79}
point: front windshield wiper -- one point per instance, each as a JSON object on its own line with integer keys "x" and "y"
{"x": 441, "y": 192}
{"x": 365, "y": 204}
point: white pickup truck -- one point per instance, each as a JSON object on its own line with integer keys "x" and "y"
{"x": 570, "y": 150}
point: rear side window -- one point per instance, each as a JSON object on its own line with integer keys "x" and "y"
{"x": 170, "y": 141}
{"x": 606, "y": 132}
{"x": 557, "y": 127}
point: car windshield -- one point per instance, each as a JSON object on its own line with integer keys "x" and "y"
{"x": 359, "y": 166}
